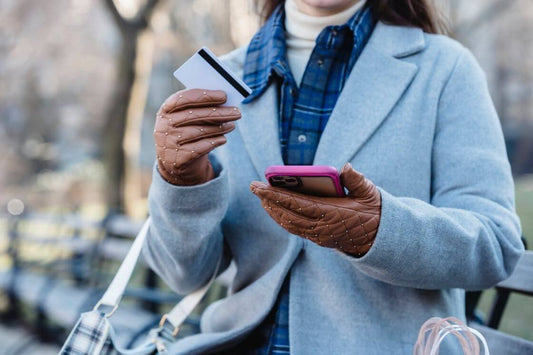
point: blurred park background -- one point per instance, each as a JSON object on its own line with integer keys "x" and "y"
{"x": 81, "y": 80}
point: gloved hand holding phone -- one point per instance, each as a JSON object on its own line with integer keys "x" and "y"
{"x": 189, "y": 125}
{"x": 349, "y": 223}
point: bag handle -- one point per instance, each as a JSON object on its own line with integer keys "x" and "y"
{"x": 439, "y": 328}
{"x": 116, "y": 288}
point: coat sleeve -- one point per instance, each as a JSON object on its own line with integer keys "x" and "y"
{"x": 185, "y": 240}
{"x": 468, "y": 236}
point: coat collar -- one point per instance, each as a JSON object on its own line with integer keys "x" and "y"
{"x": 267, "y": 52}
{"x": 377, "y": 81}
{"x": 397, "y": 41}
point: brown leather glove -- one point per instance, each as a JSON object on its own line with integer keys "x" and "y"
{"x": 188, "y": 126}
{"x": 349, "y": 223}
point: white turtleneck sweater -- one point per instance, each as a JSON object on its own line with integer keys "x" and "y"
{"x": 302, "y": 31}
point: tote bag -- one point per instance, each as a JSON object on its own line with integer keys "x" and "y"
{"x": 93, "y": 334}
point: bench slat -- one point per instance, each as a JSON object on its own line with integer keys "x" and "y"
{"x": 62, "y": 297}
{"x": 62, "y": 303}
{"x": 522, "y": 278}
{"x": 122, "y": 226}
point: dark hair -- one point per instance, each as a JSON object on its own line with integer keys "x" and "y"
{"x": 413, "y": 13}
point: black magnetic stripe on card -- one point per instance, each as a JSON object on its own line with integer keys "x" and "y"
{"x": 224, "y": 73}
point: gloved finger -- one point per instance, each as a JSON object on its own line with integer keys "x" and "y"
{"x": 355, "y": 182}
{"x": 288, "y": 220}
{"x": 301, "y": 204}
{"x": 203, "y": 115}
{"x": 315, "y": 231}
{"x": 189, "y": 134}
{"x": 183, "y": 154}
{"x": 336, "y": 235}
{"x": 193, "y": 98}
{"x": 289, "y": 216}
{"x": 339, "y": 229}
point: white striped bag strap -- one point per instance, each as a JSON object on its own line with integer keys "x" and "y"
{"x": 111, "y": 298}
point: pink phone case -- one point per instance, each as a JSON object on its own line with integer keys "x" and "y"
{"x": 320, "y": 180}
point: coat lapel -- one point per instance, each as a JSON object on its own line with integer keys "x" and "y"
{"x": 376, "y": 83}
{"x": 260, "y": 131}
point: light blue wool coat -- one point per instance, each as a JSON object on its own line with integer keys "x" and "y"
{"x": 416, "y": 118}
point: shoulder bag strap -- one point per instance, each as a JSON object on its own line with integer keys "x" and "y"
{"x": 116, "y": 288}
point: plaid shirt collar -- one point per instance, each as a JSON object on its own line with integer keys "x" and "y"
{"x": 267, "y": 50}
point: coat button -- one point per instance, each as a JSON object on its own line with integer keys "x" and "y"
{"x": 302, "y": 138}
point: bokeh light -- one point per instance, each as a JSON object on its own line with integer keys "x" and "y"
{"x": 15, "y": 207}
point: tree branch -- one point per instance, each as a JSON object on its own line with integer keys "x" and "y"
{"x": 117, "y": 17}
{"x": 142, "y": 19}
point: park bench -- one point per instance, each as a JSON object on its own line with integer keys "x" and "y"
{"x": 18, "y": 341}
{"x": 60, "y": 266}
{"x": 86, "y": 254}
{"x": 521, "y": 281}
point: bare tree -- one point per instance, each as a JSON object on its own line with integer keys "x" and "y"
{"x": 131, "y": 29}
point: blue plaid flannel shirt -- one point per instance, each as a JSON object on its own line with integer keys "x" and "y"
{"x": 304, "y": 111}
{"x": 303, "y": 114}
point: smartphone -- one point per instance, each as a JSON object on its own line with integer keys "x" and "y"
{"x": 316, "y": 180}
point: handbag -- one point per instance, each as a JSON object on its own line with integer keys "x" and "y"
{"x": 94, "y": 335}
{"x": 435, "y": 329}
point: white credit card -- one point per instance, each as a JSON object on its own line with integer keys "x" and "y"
{"x": 205, "y": 71}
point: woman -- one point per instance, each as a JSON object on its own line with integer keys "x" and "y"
{"x": 335, "y": 82}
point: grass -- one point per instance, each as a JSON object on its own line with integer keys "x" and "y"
{"x": 518, "y": 315}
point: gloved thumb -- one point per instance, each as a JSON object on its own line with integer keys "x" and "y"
{"x": 355, "y": 182}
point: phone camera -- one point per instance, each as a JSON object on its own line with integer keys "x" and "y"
{"x": 285, "y": 181}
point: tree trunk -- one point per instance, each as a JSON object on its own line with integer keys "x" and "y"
{"x": 121, "y": 107}
{"x": 134, "y": 202}
{"x": 114, "y": 158}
